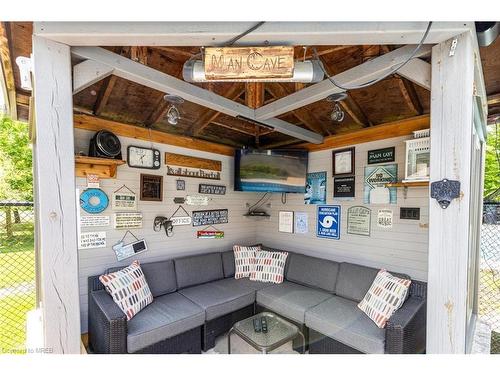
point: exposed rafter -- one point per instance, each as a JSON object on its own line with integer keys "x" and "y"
{"x": 7, "y": 70}
{"x": 357, "y": 75}
{"x": 410, "y": 95}
{"x": 103, "y": 94}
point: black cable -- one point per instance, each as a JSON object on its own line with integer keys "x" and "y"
{"x": 283, "y": 198}
{"x": 373, "y": 81}
{"x": 245, "y": 33}
{"x": 260, "y": 200}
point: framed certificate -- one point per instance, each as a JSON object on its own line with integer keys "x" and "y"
{"x": 343, "y": 161}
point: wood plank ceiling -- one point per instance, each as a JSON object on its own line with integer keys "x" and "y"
{"x": 117, "y": 99}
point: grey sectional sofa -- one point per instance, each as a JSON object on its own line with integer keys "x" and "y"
{"x": 196, "y": 299}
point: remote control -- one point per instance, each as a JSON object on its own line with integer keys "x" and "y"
{"x": 257, "y": 325}
{"x": 264, "y": 324}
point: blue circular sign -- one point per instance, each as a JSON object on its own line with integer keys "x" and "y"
{"x": 94, "y": 201}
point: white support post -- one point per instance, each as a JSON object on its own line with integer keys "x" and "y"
{"x": 451, "y": 144}
{"x": 55, "y": 196}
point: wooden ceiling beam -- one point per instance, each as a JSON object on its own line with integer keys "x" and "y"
{"x": 175, "y": 51}
{"x": 494, "y": 100}
{"x": 279, "y": 90}
{"x": 284, "y": 143}
{"x": 254, "y": 94}
{"x": 93, "y": 123}
{"x": 410, "y": 95}
{"x": 8, "y": 70}
{"x": 374, "y": 133}
{"x": 104, "y": 94}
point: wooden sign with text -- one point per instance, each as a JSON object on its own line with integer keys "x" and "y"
{"x": 235, "y": 63}
{"x": 190, "y": 166}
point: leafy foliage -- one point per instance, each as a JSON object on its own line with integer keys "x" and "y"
{"x": 16, "y": 171}
{"x": 492, "y": 166}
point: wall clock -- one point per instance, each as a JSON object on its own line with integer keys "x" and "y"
{"x": 143, "y": 157}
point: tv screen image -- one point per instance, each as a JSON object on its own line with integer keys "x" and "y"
{"x": 280, "y": 171}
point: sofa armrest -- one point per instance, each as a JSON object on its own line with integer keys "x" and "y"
{"x": 107, "y": 324}
{"x": 405, "y": 330}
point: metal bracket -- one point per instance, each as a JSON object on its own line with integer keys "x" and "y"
{"x": 453, "y": 47}
{"x": 445, "y": 191}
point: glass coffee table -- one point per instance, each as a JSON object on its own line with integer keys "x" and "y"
{"x": 279, "y": 332}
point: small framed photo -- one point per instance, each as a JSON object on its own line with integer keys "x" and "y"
{"x": 343, "y": 161}
{"x": 151, "y": 188}
{"x": 285, "y": 221}
{"x": 180, "y": 184}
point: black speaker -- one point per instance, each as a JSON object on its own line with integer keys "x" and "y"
{"x": 105, "y": 144}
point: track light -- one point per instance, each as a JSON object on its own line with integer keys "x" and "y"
{"x": 173, "y": 114}
{"x": 337, "y": 114}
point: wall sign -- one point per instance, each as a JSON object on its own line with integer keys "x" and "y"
{"x": 285, "y": 222}
{"x": 151, "y": 187}
{"x": 128, "y": 220}
{"x": 91, "y": 240}
{"x": 124, "y": 200}
{"x": 94, "y": 201}
{"x": 229, "y": 63}
{"x": 301, "y": 222}
{"x": 212, "y": 189}
{"x": 124, "y": 251}
{"x": 384, "y": 218}
{"x": 328, "y": 225}
{"x": 210, "y": 217}
{"x": 382, "y": 155}
{"x": 376, "y": 177}
{"x": 344, "y": 187}
{"x": 315, "y": 188}
{"x": 93, "y": 180}
{"x": 210, "y": 234}
{"x": 94, "y": 221}
{"x": 180, "y": 184}
{"x": 409, "y": 213}
{"x": 190, "y": 166}
{"x": 196, "y": 200}
{"x": 180, "y": 220}
{"x": 359, "y": 220}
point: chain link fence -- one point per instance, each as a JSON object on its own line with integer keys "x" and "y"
{"x": 17, "y": 273}
{"x": 489, "y": 274}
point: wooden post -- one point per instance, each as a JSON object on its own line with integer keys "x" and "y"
{"x": 55, "y": 196}
{"x": 8, "y": 221}
{"x": 449, "y": 232}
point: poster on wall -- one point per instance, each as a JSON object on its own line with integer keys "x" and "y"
{"x": 94, "y": 221}
{"x": 92, "y": 240}
{"x": 285, "y": 222}
{"x": 315, "y": 188}
{"x": 359, "y": 220}
{"x": 128, "y": 220}
{"x": 124, "y": 201}
{"x": 344, "y": 187}
{"x": 328, "y": 225}
{"x": 301, "y": 222}
{"x": 384, "y": 219}
{"x": 210, "y": 217}
{"x": 376, "y": 177}
{"x": 382, "y": 155}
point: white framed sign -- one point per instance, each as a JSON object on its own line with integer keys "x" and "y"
{"x": 359, "y": 220}
{"x": 285, "y": 222}
{"x": 384, "y": 218}
{"x": 94, "y": 221}
{"x": 92, "y": 240}
{"x": 124, "y": 201}
{"x": 128, "y": 220}
{"x": 181, "y": 220}
{"x": 197, "y": 200}
{"x": 301, "y": 222}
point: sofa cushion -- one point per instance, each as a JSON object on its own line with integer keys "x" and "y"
{"x": 245, "y": 283}
{"x": 340, "y": 319}
{"x": 354, "y": 281}
{"x": 228, "y": 263}
{"x": 315, "y": 272}
{"x": 291, "y": 300}
{"x": 159, "y": 275}
{"x": 269, "y": 267}
{"x": 167, "y": 316}
{"x": 220, "y": 297}
{"x": 244, "y": 260}
{"x": 198, "y": 269}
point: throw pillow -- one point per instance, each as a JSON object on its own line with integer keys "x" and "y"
{"x": 244, "y": 260}
{"x": 269, "y": 266}
{"x": 129, "y": 289}
{"x": 386, "y": 294}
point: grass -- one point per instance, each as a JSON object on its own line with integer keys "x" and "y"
{"x": 16, "y": 268}
{"x": 489, "y": 292}
{"x": 13, "y": 311}
{"x": 495, "y": 342}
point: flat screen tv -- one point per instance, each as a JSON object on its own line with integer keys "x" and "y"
{"x": 280, "y": 171}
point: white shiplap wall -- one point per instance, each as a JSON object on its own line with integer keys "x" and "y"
{"x": 184, "y": 242}
{"x": 402, "y": 248}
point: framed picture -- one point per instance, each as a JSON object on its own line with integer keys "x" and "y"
{"x": 151, "y": 187}
{"x": 180, "y": 184}
{"x": 343, "y": 161}
{"x": 285, "y": 222}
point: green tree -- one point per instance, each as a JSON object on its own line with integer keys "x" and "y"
{"x": 16, "y": 171}
{"x": 492, "y": 165}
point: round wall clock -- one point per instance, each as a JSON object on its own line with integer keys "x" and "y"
{"x": 94, "y": 201}
{"x": 142, "y": 157}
